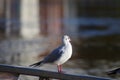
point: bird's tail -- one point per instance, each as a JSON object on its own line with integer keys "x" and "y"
{"x": 36, "y": 64}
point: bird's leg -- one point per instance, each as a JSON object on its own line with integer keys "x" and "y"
{"x": 59, "y": 68}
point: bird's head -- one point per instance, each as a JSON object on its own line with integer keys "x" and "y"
{"x": 66, "y": 39}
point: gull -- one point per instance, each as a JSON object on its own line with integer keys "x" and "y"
{"x": 59, "y": 55}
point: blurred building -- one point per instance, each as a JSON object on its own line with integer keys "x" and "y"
{"x": 31, "y": 18}
{"x": 40, "y": 23}
{"x": 28, "y": 18}
{"x": 78, "y": 18}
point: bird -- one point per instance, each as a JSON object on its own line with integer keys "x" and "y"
{"x": 114, "y": 72}
{"x": 59, "y": 55}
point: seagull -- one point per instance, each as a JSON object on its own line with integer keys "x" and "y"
{"x": 59, "y": 55}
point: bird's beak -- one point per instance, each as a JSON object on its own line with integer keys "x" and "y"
{"x": 69, "y": 39}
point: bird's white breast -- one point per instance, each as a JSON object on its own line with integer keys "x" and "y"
{"x": 66, "y": 55}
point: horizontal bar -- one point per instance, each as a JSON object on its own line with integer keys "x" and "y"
{"x": 43, "y": 73}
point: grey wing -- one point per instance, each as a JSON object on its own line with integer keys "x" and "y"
{"x": 55, "y": 55}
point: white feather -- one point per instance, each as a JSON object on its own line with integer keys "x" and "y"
{"x": 67, "y": 53}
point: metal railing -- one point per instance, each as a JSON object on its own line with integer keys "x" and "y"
{"x": 44, "y": 75}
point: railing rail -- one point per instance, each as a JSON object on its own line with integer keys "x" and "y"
{"x": 45, "y": 75}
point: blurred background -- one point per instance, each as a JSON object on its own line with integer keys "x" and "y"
{"x": 31, "y": 29}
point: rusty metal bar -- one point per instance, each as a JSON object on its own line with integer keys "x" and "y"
{"x": 45, "y": 74}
